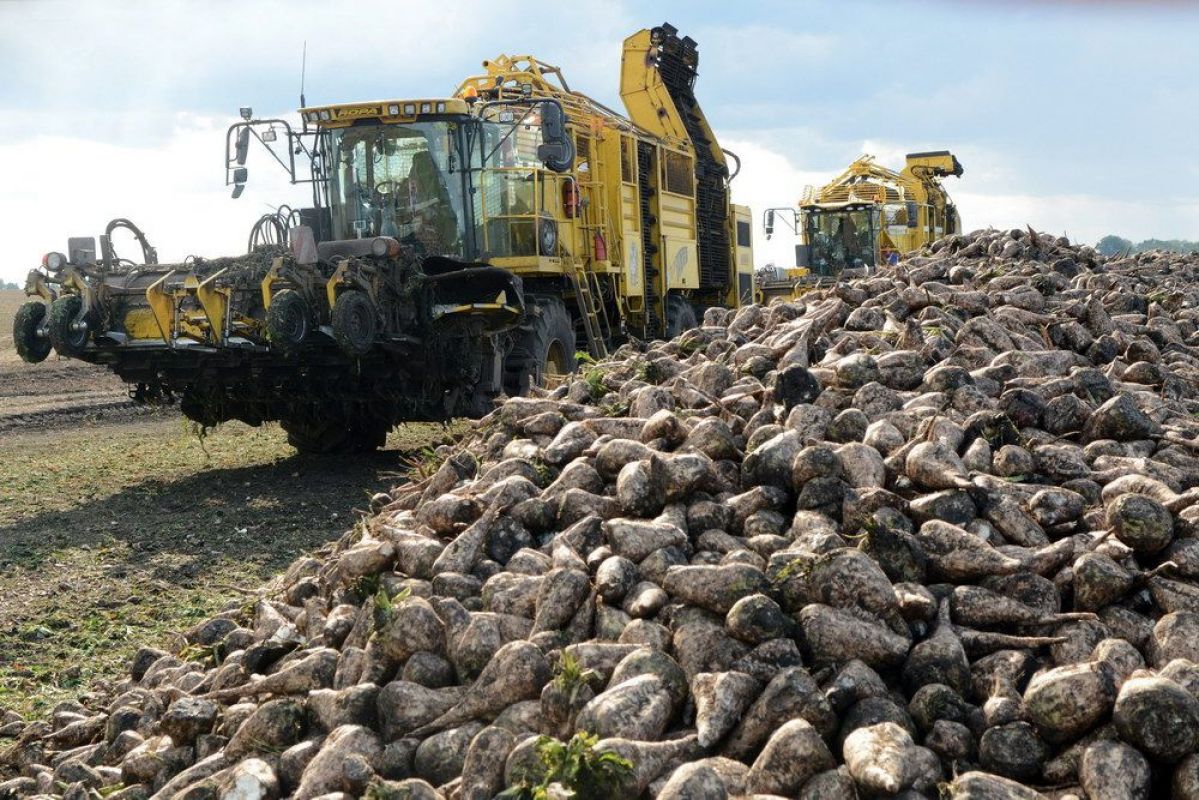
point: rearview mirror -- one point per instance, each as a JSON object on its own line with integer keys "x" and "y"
{"x": 243, "y": 145}
{"x": 240, "y": 175}
{"x": 553, "y": 123}
{"x": 557, "y": 151}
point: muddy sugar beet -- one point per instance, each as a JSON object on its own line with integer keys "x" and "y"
{"x": 933, "y": 532}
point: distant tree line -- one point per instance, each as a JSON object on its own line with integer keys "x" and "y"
{"x": 1114, "y": 245}
{"x": 9, "y": 286}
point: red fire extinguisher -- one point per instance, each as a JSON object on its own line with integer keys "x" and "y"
{"x": 601, "y": 248}
{"x": 570, "y": 198}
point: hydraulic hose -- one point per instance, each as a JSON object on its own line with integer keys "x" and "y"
{"x": 149, "y": 254}
{"x": 272, "y": 229}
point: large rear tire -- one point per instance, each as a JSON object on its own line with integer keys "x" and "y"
{"x": 328, "y": 434}
{"x": 355, "y": 323}
{"x": 545, "y": 347}
{"x": 288, "y": 321}
{"x": 25, "y": 325}
{"x": 680, "y": 315}
{"x": 68, "y": 338}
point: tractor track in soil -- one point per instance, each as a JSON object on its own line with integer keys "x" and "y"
{"x": 57, "y": 394}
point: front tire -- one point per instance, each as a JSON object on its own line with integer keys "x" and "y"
{"x": 545, "y": 346}
{"x": 355, "y": 323}
{"x": 288, "y": 321}
{"x": 65, "y": 313}
{"x": 30, "y": 347}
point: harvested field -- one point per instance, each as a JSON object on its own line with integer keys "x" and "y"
{"x": 113, "y": 534}
{"x": 119, "y": 525}
{"x": 58, "y": 391}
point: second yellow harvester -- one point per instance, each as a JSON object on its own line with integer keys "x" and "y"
{"x": 865, "y": 217}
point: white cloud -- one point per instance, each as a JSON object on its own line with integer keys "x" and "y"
{"x": 779, "y": 94}
{"x": 886, "y": 154}
{"x": 140, "y": 50}
{"x": 723, "y": 50}
{"x": 1082, "y": 217}
{"x": 175, "y": 192}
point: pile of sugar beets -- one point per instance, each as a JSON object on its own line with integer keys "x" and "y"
{"x": 933, "y": 531}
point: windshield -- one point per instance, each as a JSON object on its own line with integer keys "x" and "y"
{"x": 840, "y": 240}
{"x": 401, "y": 181}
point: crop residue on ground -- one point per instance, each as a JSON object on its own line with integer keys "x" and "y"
{"x": 114, "y": 533}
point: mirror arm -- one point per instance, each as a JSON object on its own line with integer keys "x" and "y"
{"x": 523, "y": 102}
{"x": 234, "y": 132}
{"x": 491, "y": 104}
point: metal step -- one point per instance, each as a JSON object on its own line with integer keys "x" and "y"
{"x": 597, "y": 343}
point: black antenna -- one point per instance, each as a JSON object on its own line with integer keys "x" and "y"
{"x": 303, "y": 68}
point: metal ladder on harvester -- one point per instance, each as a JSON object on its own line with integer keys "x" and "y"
{"x": 584, "y": 281}
{"x": 595, "y": 319}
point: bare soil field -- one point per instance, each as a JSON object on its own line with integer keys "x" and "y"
{"x": 115, "y": 520}
{"x": 57, "y": 391}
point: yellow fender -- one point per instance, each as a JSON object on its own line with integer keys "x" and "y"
{"x": 342, "y": 277}
{"x": 74, "y": 280}
{"x": 268, "y": 282}
{"x": 214, "y": 302}
{"x": 335, "y": 280}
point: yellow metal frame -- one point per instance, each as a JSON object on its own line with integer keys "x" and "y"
{"x": 213, "y": 301}
{"x": 36, "y": 286}
{"x": 268, "y": 282}
{"x": 162, "y": 304}
{"x": 345, "y": 276}
{"x": 343, "y": 115}
{"x": 487, "y": 310}
{"x": 72, "y": 279}
{"x": 335, "y": 281}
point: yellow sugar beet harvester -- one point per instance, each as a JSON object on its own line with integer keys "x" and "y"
{"x": 456, "y": 249}
{"x": 865, "y": 217}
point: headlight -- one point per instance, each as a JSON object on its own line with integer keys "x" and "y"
{"x": 54, "y": 261}
{"x": 384, "y": 246}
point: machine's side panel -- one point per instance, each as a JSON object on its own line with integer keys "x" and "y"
{"x": 677, "y": 220}
{"x": 625, "y": 250}
{"x": 744, "y": 260}
{"x": 632, "y": 254}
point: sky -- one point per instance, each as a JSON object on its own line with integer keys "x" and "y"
{"x": 1074, "y": 117}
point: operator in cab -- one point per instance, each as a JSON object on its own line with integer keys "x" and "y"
{"x": 428, "y": 219}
